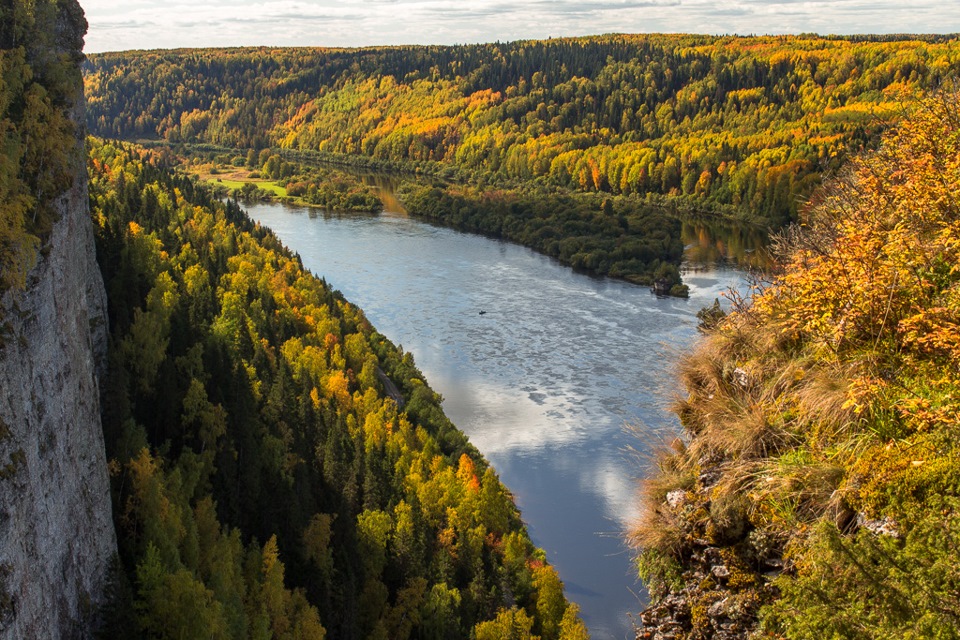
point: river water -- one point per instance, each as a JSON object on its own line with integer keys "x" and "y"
{"x": 563, "y": 383}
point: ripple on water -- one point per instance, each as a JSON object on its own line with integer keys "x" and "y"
{"x": 543, "y": 383}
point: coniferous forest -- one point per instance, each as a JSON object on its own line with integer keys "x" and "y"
{"x": 280, "y": 469}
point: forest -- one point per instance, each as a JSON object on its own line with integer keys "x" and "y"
{"x": 816, "y": 491}
{"x": 617, "y": 237}
{"x": 279, "y": 468}
{"x": 735, "y": 126}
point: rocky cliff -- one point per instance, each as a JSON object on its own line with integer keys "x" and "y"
{"x": 56, "y": 529}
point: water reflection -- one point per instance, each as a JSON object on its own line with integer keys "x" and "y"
{"x": 712, "y": 243}
{"x": 544, "y": 383}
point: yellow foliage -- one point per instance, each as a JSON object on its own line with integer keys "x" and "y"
{"x": 836, "y": 392}
{"x": 336, "y": 386}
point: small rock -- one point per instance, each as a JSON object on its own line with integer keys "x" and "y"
{"x": 883, "y": 527}
{"x": 709, "y": 478}
{"x": 720, "y": 571}
{"x": 740, "y": 376}
{"x": 717, "y": 609}
{"x": 676, "y": 498}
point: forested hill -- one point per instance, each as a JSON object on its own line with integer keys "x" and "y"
{"x": 265, "y": 482}
{"x": 739, "y": 124}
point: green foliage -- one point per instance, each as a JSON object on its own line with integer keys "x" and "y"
{"x": 334, "y": 193}
{"x": 175, "y": 605}
{"x": 620, "y": 237}
{"x": 710, "y": 317}
{"x": 244, "y": 406}
{"x": 869, "y": 586}
{"x": 323, "y": 187}
{"x": 660, "y": 572}
{"x": 40, "y": 45}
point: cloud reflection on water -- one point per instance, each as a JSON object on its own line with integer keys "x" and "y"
{"x": 543, "y": 383}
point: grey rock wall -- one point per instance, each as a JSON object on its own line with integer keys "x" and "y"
{"x": 56, "y": 529}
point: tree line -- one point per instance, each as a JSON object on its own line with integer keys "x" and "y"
{"x": 729, "y": 124}
{"x": 615, "y": 236}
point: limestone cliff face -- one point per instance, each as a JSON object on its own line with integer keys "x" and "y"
{"x": 56, "y": 529}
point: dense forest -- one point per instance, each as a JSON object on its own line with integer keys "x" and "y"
{"x": 38, "y": 86}
{"x": 618, "y": 237}
{"x": 737, "y": 125}
{"x": 279, "y": 468}
{"x": 819, "y": 486}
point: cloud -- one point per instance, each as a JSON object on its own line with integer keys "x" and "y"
{"x": 156, "y": 24}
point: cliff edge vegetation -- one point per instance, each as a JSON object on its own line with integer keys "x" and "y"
{"x": 816, "y": 492}
{"x": 40, "y": 54}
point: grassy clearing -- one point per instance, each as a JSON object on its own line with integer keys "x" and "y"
{"x": 266, "y": 185}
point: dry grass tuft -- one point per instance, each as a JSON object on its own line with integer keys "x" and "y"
{"x": 822, "y": 396}
{"x": 659, "y": 526}
{"x": 659, "y": 529}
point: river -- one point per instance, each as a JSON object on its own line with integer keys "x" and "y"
{"x": 563, "y": 383}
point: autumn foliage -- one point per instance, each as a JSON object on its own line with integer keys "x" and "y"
{"x": 40, "y": 45}
{"x": 821, "y": 416}
{"x": 743, "y": 125}
{"x": 264, "y": 483}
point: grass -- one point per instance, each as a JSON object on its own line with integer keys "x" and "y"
{"x": 829, "y": 405}
{"x": 234, "y": 177}
{"x": 266, "y": 185}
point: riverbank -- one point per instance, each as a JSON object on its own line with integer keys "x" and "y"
{"x": 635, "y": 238}
{"x": 816, "y": 491}
{"x": 616, "y": 237}
{"x": 542, "y": 383}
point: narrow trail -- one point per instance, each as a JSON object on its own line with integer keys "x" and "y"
{"x": 390, "y": 388}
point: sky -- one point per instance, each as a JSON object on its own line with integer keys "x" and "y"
{"x": 153, "y": 24}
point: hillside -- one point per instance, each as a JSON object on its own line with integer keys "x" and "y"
{"x": 275, "y": 467}
{"x": 816, "y": 491}
{"x": 737, "y": 125}
{"x": 278, "y": 466}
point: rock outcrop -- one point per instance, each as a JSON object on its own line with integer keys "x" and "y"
{"x": 56, "y": 528}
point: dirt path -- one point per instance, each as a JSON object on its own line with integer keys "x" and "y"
{"x": 390, "y": 388}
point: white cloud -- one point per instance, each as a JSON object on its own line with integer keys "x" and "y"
{"x": 156, "y": 24}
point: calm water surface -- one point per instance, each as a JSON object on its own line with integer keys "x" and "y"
{"x": 552, "y": 384}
